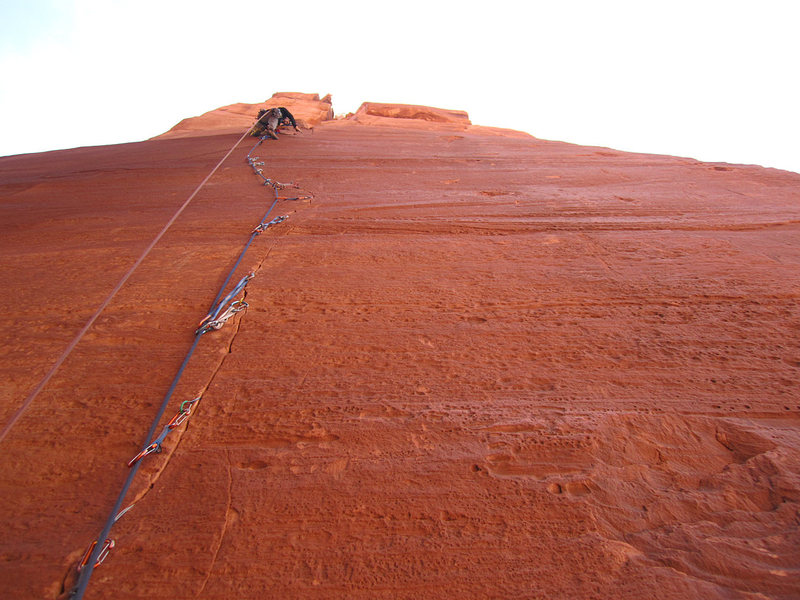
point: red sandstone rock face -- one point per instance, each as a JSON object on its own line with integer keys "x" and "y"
{"x": 394, "y": 115}
{"x": 475, "y": 365}
{"x": 307, "y": 109}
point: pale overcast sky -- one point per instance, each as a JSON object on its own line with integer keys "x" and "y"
{"x": 708, "y": 79}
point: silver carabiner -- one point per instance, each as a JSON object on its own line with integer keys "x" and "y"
{"x": 183, "y": 413}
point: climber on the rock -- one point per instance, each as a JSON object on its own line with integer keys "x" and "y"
{"x": 269, "y": 122}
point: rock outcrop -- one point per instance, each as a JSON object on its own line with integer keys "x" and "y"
{"x": 474, "y": 366}
{"x": 409, "y": 115}
{"x": 308, "y": 109}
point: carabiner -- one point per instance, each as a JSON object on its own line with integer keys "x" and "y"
{"x": 109, "y": 544}
{"x": 183, "y": 414}
{"x": 154, "y": 447}
{"x": 262, "y": 227}
{"x": 104, "y": 552}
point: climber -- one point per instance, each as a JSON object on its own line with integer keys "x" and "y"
{"x": 269, "y": 122}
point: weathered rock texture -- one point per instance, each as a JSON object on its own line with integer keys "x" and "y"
{"x": 408, "y": 115}
{"x": 476, "y": 365}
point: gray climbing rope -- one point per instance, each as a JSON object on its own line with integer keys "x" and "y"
{"x": 220, "y": 312}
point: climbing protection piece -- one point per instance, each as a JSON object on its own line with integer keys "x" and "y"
{"x": 220, "y": 312}
{"x": 216, "y": 318}
{"x": 262, "y": 227}
{"x": 109, "y": 544}
{"x": 183, "y": 414}
{"x": 255, "y": 163}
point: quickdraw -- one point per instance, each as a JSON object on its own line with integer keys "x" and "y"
{"x": 281, "y": 186}
{"x": 221, "y": 312}
{"x": 277, "y": 185}
{"x": 214, "y": 319}
{"x": 109, "y": 544}
{"x": 184, "y": 413}
{"x": 264, "y": 226}
{"x": 154, "y": 447}
{"x": 215, "y": 324}
{"x": 255, "y": 163}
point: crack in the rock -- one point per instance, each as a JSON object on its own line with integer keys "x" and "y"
{"x": 167, "y": 456}
{"x": 71, "y": 572}
{"x": 225, "y": 524}
{"x": 179, "y": 437}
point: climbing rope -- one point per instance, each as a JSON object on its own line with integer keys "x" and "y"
{"x": 220, "y": 312}
{"x": 217, "y": 323}
{"x": 183, "y": 414}
{"x": 40, "y": 386}
{"x": 255, "y": 163}
{"x": 101, "y": 556}
{"x": 262, "y": 227}
{"x": 215, "y": 320}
